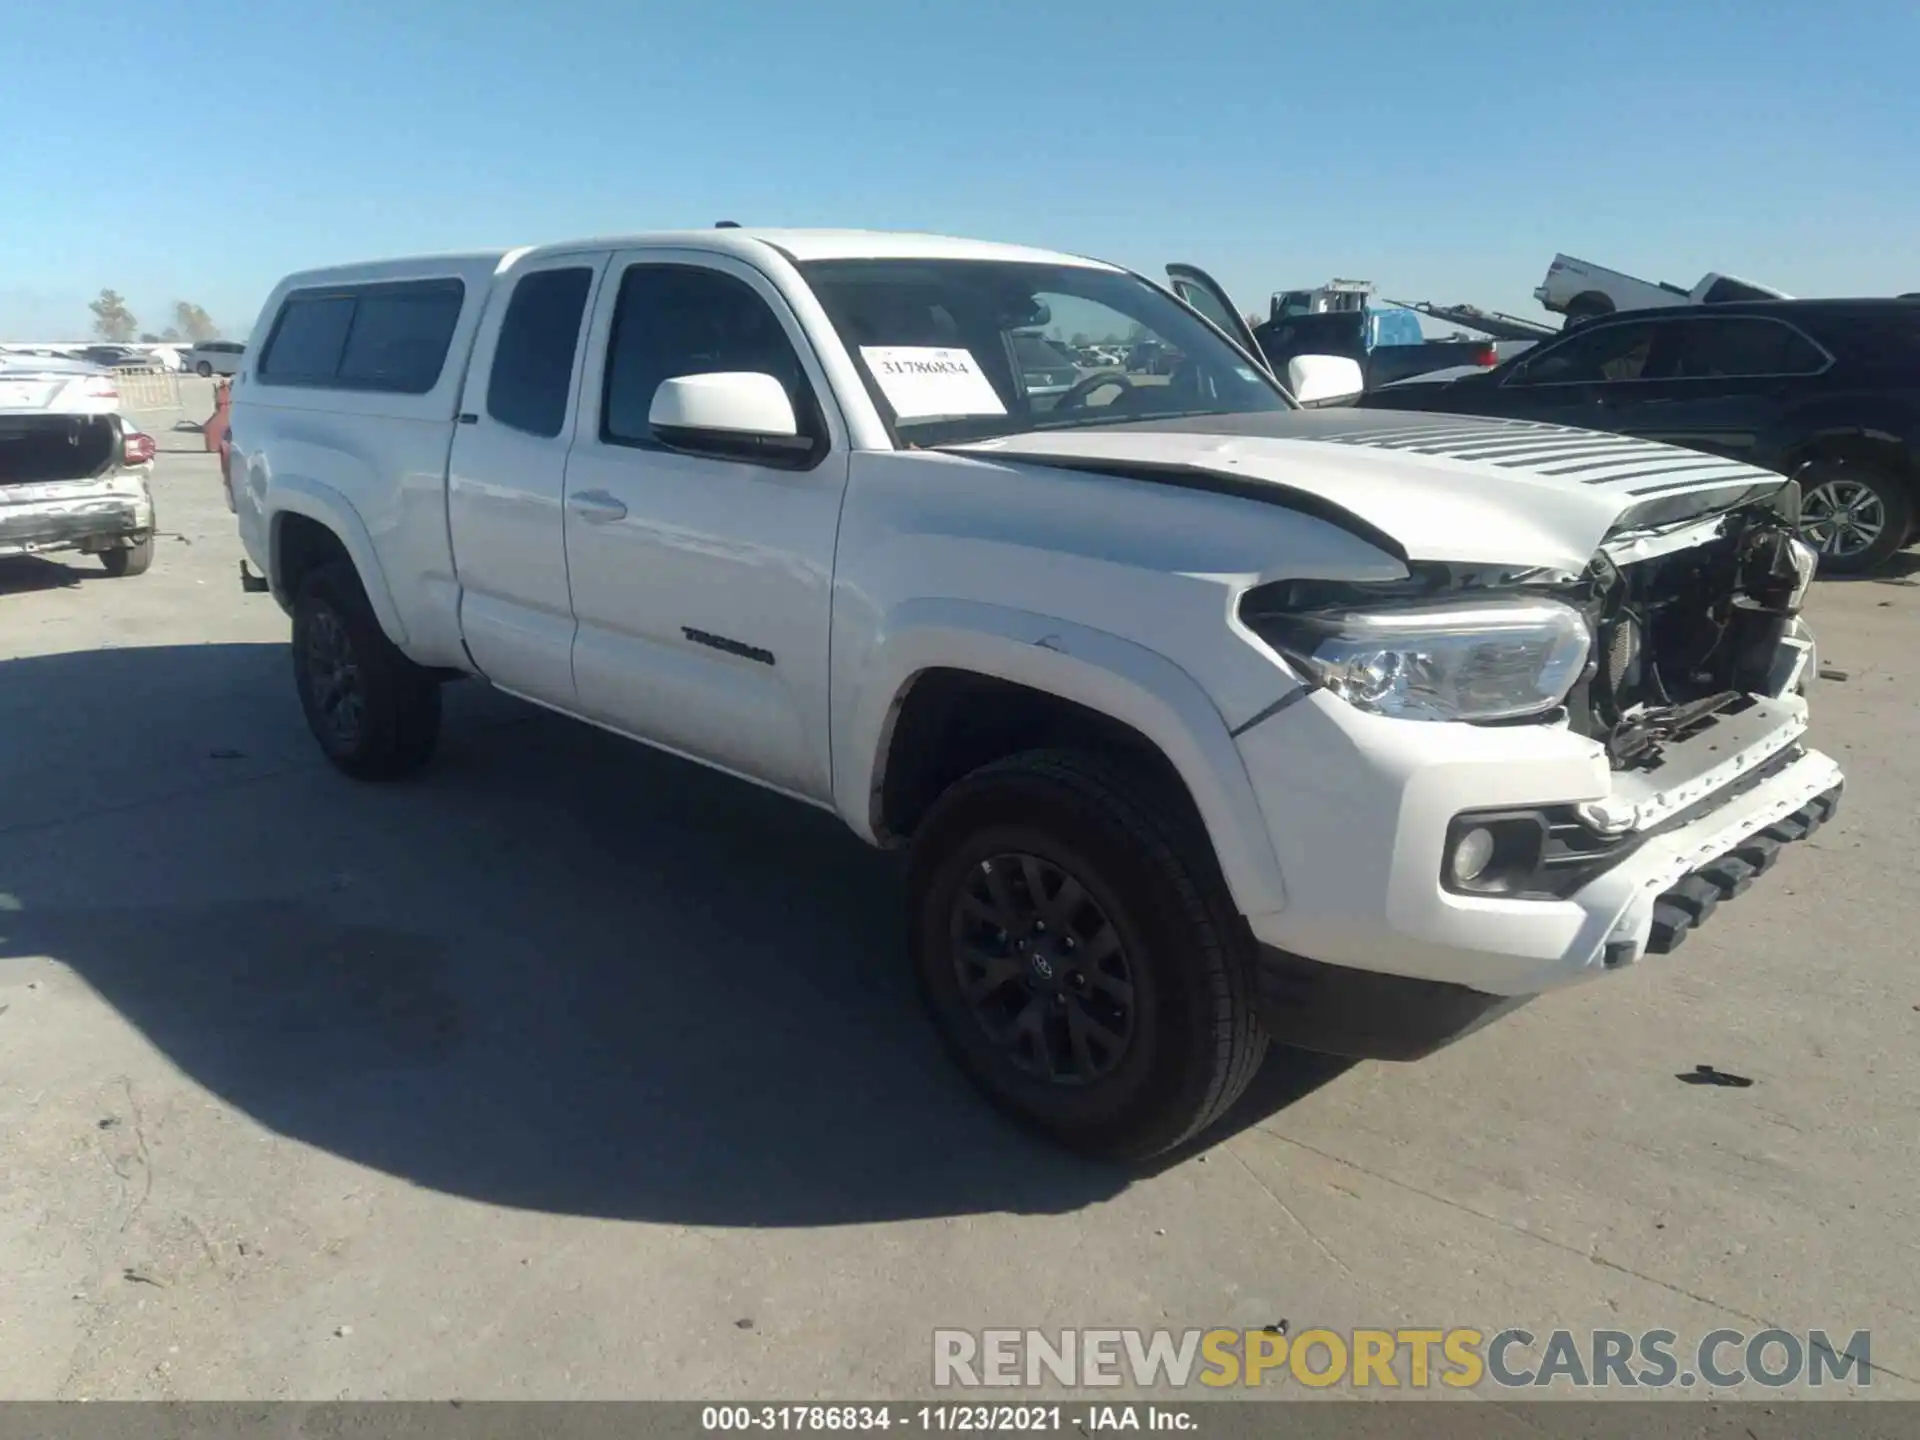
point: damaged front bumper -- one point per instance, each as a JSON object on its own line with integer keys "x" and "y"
{"x": 1376, "y": 952}
{"x": 89, "y": 515}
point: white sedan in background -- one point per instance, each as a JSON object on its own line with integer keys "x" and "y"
{"x": 74, "y": 472}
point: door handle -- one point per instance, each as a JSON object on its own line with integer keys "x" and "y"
{"x": 597, "y": 507}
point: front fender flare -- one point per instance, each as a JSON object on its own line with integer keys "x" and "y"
{"x": 1097, "y": 669}
{"x": 298, "y": 495}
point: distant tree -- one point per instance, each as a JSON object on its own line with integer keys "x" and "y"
{"x": 112, "y": 320}
{"x": 169, "y": 335}
{"x": 1254, "y": 322}
{"x": 147, "y": 337}
{"x": 1082, "y": 339}
{"x": 194, "y": 322}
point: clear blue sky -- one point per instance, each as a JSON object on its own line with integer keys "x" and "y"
{"x": 1446, "y": 150}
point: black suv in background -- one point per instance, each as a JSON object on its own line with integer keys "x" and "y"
{"x": 1827, "y": 391}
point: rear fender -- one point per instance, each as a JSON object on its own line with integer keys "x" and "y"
{"x": 298, "y": 495}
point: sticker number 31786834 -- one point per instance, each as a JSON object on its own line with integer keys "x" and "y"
{"x": 922, "y": 382}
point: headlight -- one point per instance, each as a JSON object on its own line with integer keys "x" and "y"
{"x": 1486, "y": 660}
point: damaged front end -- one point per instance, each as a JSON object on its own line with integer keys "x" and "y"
{"x": 1664, "y": 630}
{"x": 73, "y": 482}
{"x": 1679, "y": 652}
{"x": 1699, "y": 623}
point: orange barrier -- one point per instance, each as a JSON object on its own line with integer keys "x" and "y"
{"x": 213, "y": 432}
{"x": 215, "y": 429}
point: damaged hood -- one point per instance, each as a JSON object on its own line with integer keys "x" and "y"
{"x": 1439, "y": 487}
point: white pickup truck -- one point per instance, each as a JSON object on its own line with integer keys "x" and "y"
{"x": 1209, "y": 720}
{"x": 1581, "y": 290}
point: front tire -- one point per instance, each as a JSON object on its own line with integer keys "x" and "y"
{"x": 1856, "y": 516}
{"x": 203, "y": 370}
{"x": 375, "y": 713}
{"x": 134, "y": 559}
{"x": 1080, "y": 954}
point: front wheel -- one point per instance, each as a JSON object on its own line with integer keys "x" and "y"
{"x": 375, "y": 713}
{"x": 203, "y": 370}
{"x": 1855, "y": 516}
{"x": 1080, "y": 955}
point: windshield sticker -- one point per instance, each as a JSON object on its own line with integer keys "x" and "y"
{"x": 923, "y": 382}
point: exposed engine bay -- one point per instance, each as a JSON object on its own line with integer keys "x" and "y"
{"x": 1689, "y": 622}
{"x": 1686, "y": 636}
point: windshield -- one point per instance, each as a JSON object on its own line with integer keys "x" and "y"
{"x": 959, "y": 350}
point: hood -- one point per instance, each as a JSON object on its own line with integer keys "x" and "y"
{"x": 1440, "y": 487}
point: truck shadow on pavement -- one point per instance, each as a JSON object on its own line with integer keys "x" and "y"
{"x": 559, "y": 972}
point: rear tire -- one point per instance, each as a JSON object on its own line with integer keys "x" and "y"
{"x": 1147, "y": 957}
{"x": 375, "y": 713}
{"x": 1855, "y": 515}
{"x": 129, "y": 560}
{"x": 203, "y": 370}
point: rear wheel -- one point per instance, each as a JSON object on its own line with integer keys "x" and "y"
{"x": 132, "y": 559}
{"x": 203, "y": 370}
{"x": 1081, "y": 956}
{"x": 375, "y": 713}
{"x": 1856, "y": 516}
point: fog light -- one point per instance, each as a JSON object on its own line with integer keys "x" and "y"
{"x": 1472, "y": 853}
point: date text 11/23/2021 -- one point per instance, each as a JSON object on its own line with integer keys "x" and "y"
{"x": 988, "y": 1419}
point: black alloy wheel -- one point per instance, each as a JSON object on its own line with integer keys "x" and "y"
{"x": 375, "y": 713}
{"x": 1079, "y": 952}
{"x": 334, "y": 681}
{"x": 1042, "y": 970}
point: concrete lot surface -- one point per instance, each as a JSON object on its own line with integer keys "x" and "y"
{"x": 574, "y": 1071}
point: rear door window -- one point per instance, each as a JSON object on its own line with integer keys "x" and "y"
{"x": 533, "y": 359}
{"x": 1879, "y": 343}
{"x": 399, "y": 337}
{"x": 307, "y": 339}
{"x": 1731, "y": 347}
{"x": 391, "y": 337}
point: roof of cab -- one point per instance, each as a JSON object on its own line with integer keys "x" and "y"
{"x": 466, "y": 263}
{"x": 797, "y": 245}
{"x": 801, "y": 245}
